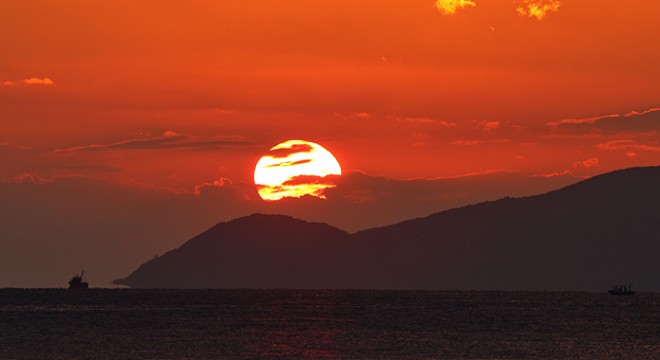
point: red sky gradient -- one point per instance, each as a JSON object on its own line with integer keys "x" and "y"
{"x": 181, "y": 97}
{"x": 377, "y": 82}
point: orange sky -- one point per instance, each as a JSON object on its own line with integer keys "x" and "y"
{"x": 379, "y": 83}
{"x": 112, "y": 100}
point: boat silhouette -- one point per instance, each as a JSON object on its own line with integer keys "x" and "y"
{"x": 621, "y": 290}
{"x": 78, "y": 281}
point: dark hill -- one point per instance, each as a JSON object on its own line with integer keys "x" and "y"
{"x": 256, "y": 251}
{"x": 587, "y": 236}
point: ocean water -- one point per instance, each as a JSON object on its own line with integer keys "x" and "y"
{"x": 325, "y": 324}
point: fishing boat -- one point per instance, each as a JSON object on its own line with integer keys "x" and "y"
{"x": 621, "y": 290}
{"x": 78, "y": 281}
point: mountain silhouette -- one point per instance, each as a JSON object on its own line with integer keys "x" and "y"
{"x": 586, "y": 236}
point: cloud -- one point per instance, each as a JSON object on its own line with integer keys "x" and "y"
{"x": 587, "y": 136}
{"x": 361, "y": 115}
{"x": 38, "y": 81}
{"x": 587, "y": 164}
{"x": 628, "y": 145}
{"x": 312, "y": 179}
{"x": 489, "y": 125}
{"x": 637, "y": 113}
{"x": 448, "y": 7}
{"x": 559, "y": 174}
{"x": 290, "y": 163}
{"x": 215, "y": 183}
{"x": 293, "y": 149}
{"x": 471, "y": 142}
{"x": 28, "y": 178}
{"x": 575, "y": 123}
{"x": 91, "y": 168}
{"x": 425, "y": 120}
{"x": 537, "y": 8}
{"x": 30, "y": 81}
{"x": 299, "y": 186}
{"x": 11, "y": 146}
{"x": 169, "y": 140}
{"x": 633, "y": 121}
{"x": 475, "y": 142}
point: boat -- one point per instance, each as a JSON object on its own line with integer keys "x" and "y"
{"x": 621, "y": 290}
{"x": 78, "y": 281}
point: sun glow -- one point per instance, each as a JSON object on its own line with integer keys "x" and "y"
{"x": 295, "y": 168}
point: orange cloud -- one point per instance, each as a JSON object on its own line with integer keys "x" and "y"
{"x": 634, "y": 121}
{"x": 38, "y": 81}
{"x": 627, "y": 145}
{"x": 579, "y": 122}
{"x": 215, "y": 183}
{"x": 587, "y": 164}
{"x": 556, "y": 174}
{"x": 361, "y": 115}
{"x": 28, "y": 178}
{"x": 636, "y": 113}
{"x": 537, "y": 8}
{"x": 30, "y": 81}
{"x": 472, "y": 142}
{"x": 489, "y": 125}
{"x": 425, "y": 120}
{"x": 169, "y": 140}
{"x": 448, "y": 7}
{"x": 11, "y": 146}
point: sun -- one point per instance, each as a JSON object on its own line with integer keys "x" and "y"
{"x": 295, "y": 168}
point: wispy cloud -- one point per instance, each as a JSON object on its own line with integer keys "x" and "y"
{"x": 425, "y": 121}
{"x": 38, "y": 81}
{"x": 537, "y": 8}
{"x": 474, "y": 142}
{"x": 100, "y": 168}
{"x": 448, "y": 7}
{"x": 361, "y": 115}
{"x": 489, "y": 125}
{"x": 565, "y": 123}
{"x": 169, "y": 140}
{"x": 289, "y": 163}
{"x": 558, "y": 174}
{"x": 300, "y": 186}
{"x": 287, "y": 151}
{"x": 637, "y": 113}
{"x": 633, "y": 121}
{"x": 215, "y": 183}
{"x": 29, "y": 81}
{"x": 587, "y": 164}
{"x": 28, "y": 178}
{"x": 470, "y": 142}
{"x": 11, "y": 146}
{"x": 628, "y": 145}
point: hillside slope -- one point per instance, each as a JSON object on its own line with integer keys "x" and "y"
{"x": 585, "y": 236}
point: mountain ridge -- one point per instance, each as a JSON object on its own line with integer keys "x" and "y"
{"x": 585, "y": 236}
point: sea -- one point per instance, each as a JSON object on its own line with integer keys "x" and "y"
{"x": 325, "y": 324}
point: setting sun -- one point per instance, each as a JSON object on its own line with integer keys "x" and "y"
{"x": 295, "y": 168}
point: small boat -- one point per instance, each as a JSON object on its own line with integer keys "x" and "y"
{"x": 621, "y": 290}
{"x": 78, "y": 281}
